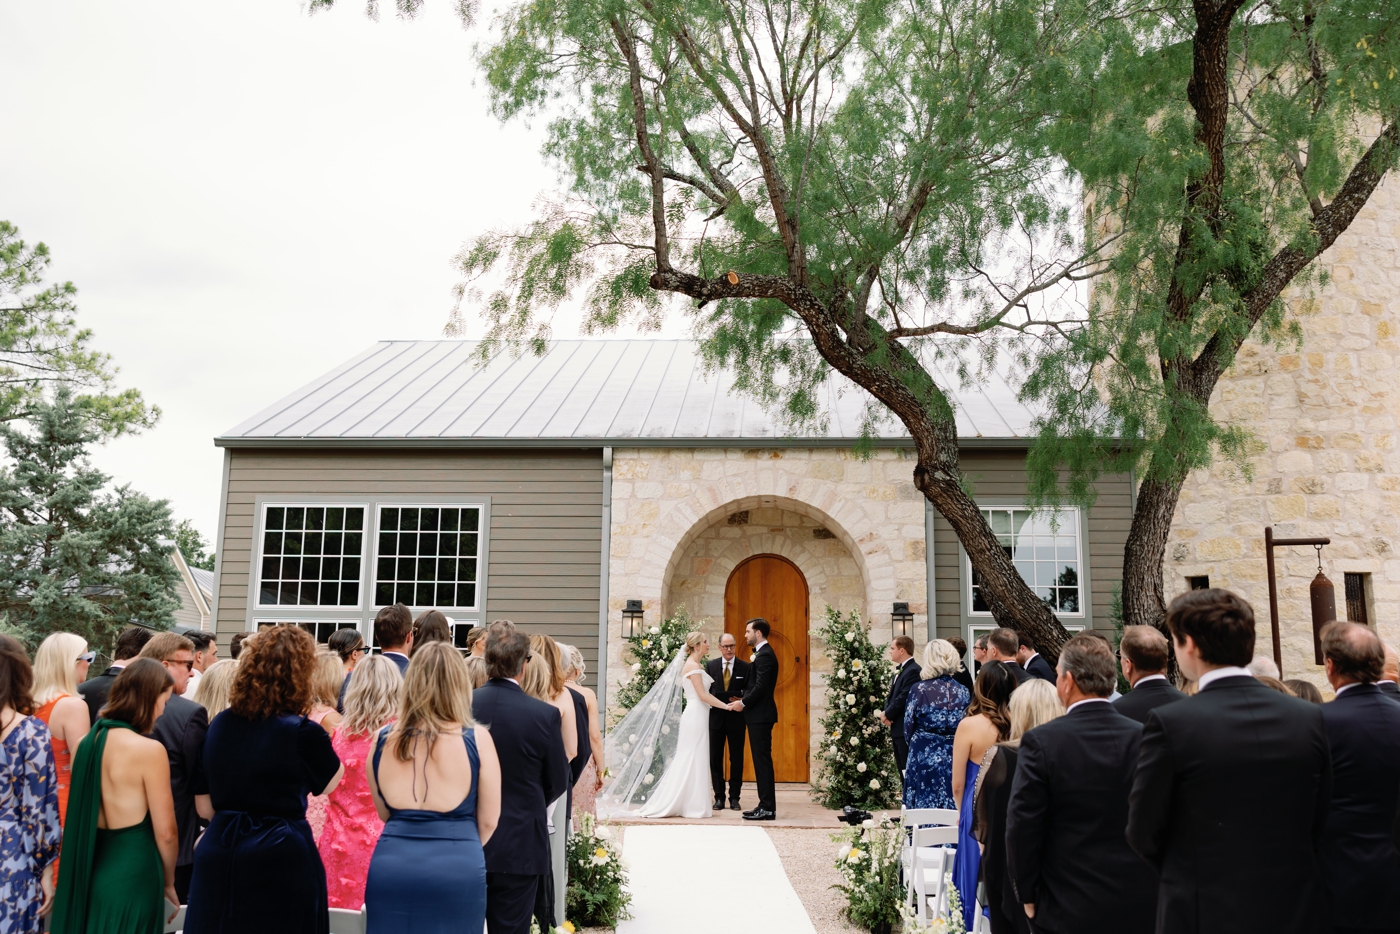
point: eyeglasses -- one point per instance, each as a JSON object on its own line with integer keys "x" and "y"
{"x": 87, "y": 657}
{"x": 189, "y": 663}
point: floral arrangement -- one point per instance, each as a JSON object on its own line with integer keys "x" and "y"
{"x": 651, "y": 651}
{"x": 597, "y": 894}
{"x": 857, "y": 757}
{"x": 950, "y": 923}
{"x": 868, "y": 861}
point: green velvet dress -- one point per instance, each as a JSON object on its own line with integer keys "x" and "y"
{"x": 113, "y": 881}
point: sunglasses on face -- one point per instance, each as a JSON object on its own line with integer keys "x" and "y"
{"x": 189, "y": 664}
{"x": 87, "y": 657}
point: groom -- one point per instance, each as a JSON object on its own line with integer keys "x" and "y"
{"x": 760, "y": 713}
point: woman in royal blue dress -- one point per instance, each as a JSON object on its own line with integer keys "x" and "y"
{"x": 436, "y": 783}
{"x": 987, "y": 723}
{"x": 257, "y": 869}
{"x": 936, "y": 706}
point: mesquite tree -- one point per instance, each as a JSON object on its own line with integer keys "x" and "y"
{"x": 1240, "y": 140}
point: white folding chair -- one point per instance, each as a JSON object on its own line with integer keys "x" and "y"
{"x": 916, "y": 824}
{"x": 344, "y": 921}
{"x": 982, "y": 924}
{"x": 176, "y": 924}
{"x": 929, "y": 868}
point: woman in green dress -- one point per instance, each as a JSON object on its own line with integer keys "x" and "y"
{"x": 119, "y": 843}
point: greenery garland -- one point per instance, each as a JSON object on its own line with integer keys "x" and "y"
{"x": 651, "y": 650}
{"x": 857, "y": 766}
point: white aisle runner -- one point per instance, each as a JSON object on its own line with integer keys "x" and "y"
{"x": 681, "y": 875}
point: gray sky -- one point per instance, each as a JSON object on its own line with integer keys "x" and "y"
{"x": 247, "y": 195}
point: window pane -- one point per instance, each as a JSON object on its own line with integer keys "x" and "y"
{"x": 296, "y": 516}
{"x": 350, "y": 569}
{"x": 423, "y": 595}
{"x": 470, "y": 518}
{"x": 383, "y": 594}
{"x": 467, "y": 546}
{"x": 445, "y": 595}
{"x": 408, "y": 520}
{"x": 335, "y": 519}
{"x": 349, "y": 594}
{"x": 354, "y": 518}
{"x": 408, "y": 543}
{"x": 290, "y": 592}
{"x": 291, "y": 569}
{"x": 316, "y": 518}
{"x": 428, "y": 543}
{"x": 451, "y": 520}
{"x": 352, "y": 544}
{"x": 270, "y": 568}
{"x": 311, "y": 543}
{"x": 466, "y": 595}
{"x": 403, "y": 593}
{"x": 310, "y": 569}
{"x": 291, "y": 543}
{"x": 272, "y": 543}
{"x": 276, "y": 515}
{"x": 428, "y": 520}
{"x": 447, "y": 544}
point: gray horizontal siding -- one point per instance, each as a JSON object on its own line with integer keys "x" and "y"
{"x": 545, "y": 528}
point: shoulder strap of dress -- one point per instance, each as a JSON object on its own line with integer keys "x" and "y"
{"x": 469, "y": 740}
{"x": 378, "y": 750}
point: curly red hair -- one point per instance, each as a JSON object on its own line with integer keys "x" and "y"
{"x": 275, "y": 674}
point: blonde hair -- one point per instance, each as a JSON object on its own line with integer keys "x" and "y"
{"x": 54, "y": 671}
{"x": 693, "y": 640}
{"x": 372, "y": 699}
{"x": 544, "y": 672}
{"x": 212, "y": 691}
{"x": 940, "y": 658}
{"x": 436, "y": 691}
{"x": 574, "y": 659}
{"x": 327, "y": 679}
{"x": 476, "y": 670}
{"x": 1032, "y": 704}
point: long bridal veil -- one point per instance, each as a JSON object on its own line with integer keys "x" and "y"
{"x": 642, "y": 744}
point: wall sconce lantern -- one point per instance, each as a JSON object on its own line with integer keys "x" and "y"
{"x": 901, "y": 620}
{"x": 631, "y": 619}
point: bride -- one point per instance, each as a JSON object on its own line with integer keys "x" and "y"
{"x": 664, "y": 757}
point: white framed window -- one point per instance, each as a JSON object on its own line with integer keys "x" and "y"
{"x": 1045, "y": 547}
{"x": 428, "y": 556}
{"x": 976, "y": 631}
{"x": 320, "y": 629}
{"x": 311, "y": 554}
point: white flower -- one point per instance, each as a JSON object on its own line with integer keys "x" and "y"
{"x": 861, "y": 766}
{"x": 850, "y": 636}
{"x": 867, "y": 823}
{"x": 665, "y": 730}
{"x": 647, "y": 781}
{"x": 658, "y": 664}
{"x": 855, "y": 740}
{"x": 872, "y": 699}
{"x": 646, "y": 643}
{"x": 874, "y": 783}
{"x": 850, "y": 698}
{"x": 655, "y": 630}
{"x": 856, "y": 664}
{"x": 636, "y": 666}
{"x": 633, "y": 737}
{"x": 655, "y": 705}
{"x": 844, "y": 851}
{"x": 840, "y": 672}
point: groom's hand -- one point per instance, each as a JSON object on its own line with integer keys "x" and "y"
{"x": 736, "y": 706}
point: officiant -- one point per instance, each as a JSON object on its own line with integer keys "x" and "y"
{"x": 731, "y": 679}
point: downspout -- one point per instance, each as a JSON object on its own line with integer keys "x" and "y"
{"x": 604, "y": 562}
{"x": 219, "y": 545}
{"x": 928, "y": 571}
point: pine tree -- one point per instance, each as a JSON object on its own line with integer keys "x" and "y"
{"x": 75, "y": 556}
{"x": 858, "y": 766}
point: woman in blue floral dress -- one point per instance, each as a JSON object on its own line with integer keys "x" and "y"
{"x": 936, "y": 706}
{"x": 29, "y": 828}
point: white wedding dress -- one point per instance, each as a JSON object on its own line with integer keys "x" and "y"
{"x": 684, "y": 789}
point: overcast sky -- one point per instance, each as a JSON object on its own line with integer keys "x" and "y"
{"x": 246, "y": 195}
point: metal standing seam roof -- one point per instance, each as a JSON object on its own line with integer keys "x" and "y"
{"x": 581, "y": 393}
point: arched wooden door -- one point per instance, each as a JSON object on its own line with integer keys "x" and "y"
{"x": 773, "y": 588}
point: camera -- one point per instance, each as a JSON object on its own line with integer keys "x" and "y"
{"x": 854, "y": 816}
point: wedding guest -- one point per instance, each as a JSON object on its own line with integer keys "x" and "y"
{"x": 1031, "y": 660}
{"x": 1066, "y": 855}
{"x": 962, "y": 676}
{"x": 436, "y": 783}
{"x": 206, "y": 653}
{"x": 1002, "y": 646}
{"x": 1030, "y": 706}
{"x": 587, "y": 785}
{"x": 235, "y": 645}
{"x": 349, "y": 646}
{"x": 353, "y": 824}
{"x": 1358, "y": 855}
{"x": 393, "y": 633}
{"x": 1186, "y": 816}
{"x": 1262, "y": 666}
{"x": 935, "y": 708}
{"x": 29, "y": 808}
{"x": 325, "y": 694}
{"x": 61, "y": 662}
{"x": 1390, "y": 673}
{"x": 476, "y": 671}
{"x": 979, "y": 654}
{"x": 129, "y": 645}
{"x": 1305, "y": 690}
{"x": 729, "y": 676}
{"x": 584, "y": 722}
{"x": 544, "y": 680}
{"x": 534, "y": 768}
{"x": 476, "y": 642}
{"x": 906, "y": 676}
{"x": 122, "y": 837}
{"x": 431, "y": 626}
{"x": 987, "y": 722}
{"x": 256, "y": 867}
{"x": 1143, "y": 653}
{"x": 214, "y": 687}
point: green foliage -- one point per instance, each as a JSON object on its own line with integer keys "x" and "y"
{"x": 597, "y": 895}
{"x": 651, "y": 651}
{"x": 76, "y": 556}
{"x": 41, "y": 346}
{"x": 868, "y": 861}
{"x": 193, "y": 546}
{"x": 857, "y": 756}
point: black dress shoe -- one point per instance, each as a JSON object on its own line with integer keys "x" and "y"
{"x": 719, "y": 804}
{"x": 760, "y": 814}
{"x": 735, "y": 806}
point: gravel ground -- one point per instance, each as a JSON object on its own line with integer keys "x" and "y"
{"x": 809, "y": 857}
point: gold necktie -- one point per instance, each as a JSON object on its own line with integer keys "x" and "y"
{"x": 726, "y": 676}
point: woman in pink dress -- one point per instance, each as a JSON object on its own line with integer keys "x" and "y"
{"x": 352, "y": 824}
{"x": 325, "y": 692}
{"x": 586, "y": 788}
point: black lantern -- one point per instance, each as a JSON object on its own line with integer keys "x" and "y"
{"x": 631, "y": 618}
{"x": 901, "y": 620}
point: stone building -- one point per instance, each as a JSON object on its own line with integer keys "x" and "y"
{"x": 1324, "y": 418}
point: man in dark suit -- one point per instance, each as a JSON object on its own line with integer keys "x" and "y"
{"x": 962, "y": 675}
{"x": 1031, "y": 660}
{"x": 534, "y": 772}
{"x": 1390, "y": 673}
{"x": 1002, "y": 646}
{"x": 95, "y": 690}
{"x": 1143, "y": 653}
{"x": 1232, "y": 787}
{"x": 1360, "y": 861}
{"x": 181, "y": 729}
{"x": 1072, "y": 869}
{"x": 730, "y": 679}
{"x": 760, "y": 713}
{"x": 906, "y": 676}
{"x": 393, "y": 633}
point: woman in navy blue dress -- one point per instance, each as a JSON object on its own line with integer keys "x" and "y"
{"x": 257, "y": 869}
{"x": 935, "y": 708}
{"x": 436, "y": 783}
{"x": 987, "y": 723}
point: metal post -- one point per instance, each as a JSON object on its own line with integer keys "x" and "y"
{"x": 1269, "y": 544}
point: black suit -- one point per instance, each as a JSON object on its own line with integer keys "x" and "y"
{"x": 1388, "y": 688}
{"x": 1065, "y": 848}
{"x": 1017, "y": 672}
{"x": 760, "y": 713}
{"x": 181, "y": 731}
{"x": 95, "y": 690}
{"x": 727, "y": 726}
{"x": 1360, "y": 863}
{"x": 964, "y": 677}
{"x": 895, "y": 703}
{"x": 529, "y": 743}
{"x": 1146, "y": 697}
{"x": 1228, "y": 805}
{"x": 1038, "y": 667}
